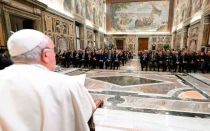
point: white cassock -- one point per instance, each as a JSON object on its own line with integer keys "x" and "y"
{"x": 33, "y": 98}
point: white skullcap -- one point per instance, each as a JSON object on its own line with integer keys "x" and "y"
{"x": 24, "y": 41}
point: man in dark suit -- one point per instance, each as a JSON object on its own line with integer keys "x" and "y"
{"x": 183, "y": 61}
{"x": 192, "y": 62}
{"x": 123, "y": 57}
{"x": 202, "y": 60}
{"x": 116, "y": 60}
{"x": 161, "y": 61}
{"x": 88, "y": 59}
{"x": 208, "y": 61}
{"x": 152, "y": 60}
{"x": 4, "y": 60}
{"x": 176, "y": 60}
{"x": 94, "y": 55}
{"x": 108, "y": 60}
{"x": 168, "y": 60}
{"x": 100, "y": 59}
{"x": 67, "y": 59}
{"x": 144, "y": 60}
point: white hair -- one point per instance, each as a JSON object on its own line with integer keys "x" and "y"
{"x": 33, "y": 56}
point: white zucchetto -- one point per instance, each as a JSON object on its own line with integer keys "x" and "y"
{"x": 24, "y": 41}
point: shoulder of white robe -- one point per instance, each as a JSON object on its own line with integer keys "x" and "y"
{"x": 79, "y": 79}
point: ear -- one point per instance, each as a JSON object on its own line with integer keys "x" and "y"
{"x": 45, "y": 56}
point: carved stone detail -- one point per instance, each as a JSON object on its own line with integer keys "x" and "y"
{"x": 22, "y": 6}
{"x": 48, "y": 21}
{"x": 89, "y": 35}
{"x": 60, "y": 29}
{"x": 178, "y": 40}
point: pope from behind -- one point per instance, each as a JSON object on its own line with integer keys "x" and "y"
{"x": 33, "y": 97}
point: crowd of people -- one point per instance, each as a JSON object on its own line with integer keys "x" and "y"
{"x": 94, "y": 58}
{"x": 175, "y": 60}
{"x": 150, "y": 60}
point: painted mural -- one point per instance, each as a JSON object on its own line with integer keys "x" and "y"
{"x": 100, "y": 18}
{"x": 140, "y": 16}
{"x": 196, "y": 5}
{"x": 67, "y": 5}
{"x": 206, "y": 3}
{"x": 96, "y": 2}
{"x": 187, "y": 8}
{"x": 101, "y": 3}
{"x": 79, "y": 7}
{"x": 95, "y": 15}
{"x": 89, "y": 11}
{"x": 184, "y": 10}
{"x": 83, "y": 8}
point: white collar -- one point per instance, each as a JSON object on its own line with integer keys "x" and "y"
{"x": 37, "y": 65}
{"x": 40, "y": 66}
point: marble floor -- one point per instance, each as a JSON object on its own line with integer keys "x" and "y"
{"x": 136, "y": 100}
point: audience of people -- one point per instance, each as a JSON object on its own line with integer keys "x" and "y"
{"x": 95, "y": 58}
{"x": 175, "y": 60}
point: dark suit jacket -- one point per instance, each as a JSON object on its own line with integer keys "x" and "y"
{"x": 115, "y": 57}
{"x": 4, "y": 62}
{"x": 144, "y": 58}
{"x": 160, "y": 58}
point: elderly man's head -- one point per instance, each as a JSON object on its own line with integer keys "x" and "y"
{"x": 32, "y": 47}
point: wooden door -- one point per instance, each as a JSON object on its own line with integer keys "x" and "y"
{"x": 143, "y": 44}
{"x": 119, "y": 44}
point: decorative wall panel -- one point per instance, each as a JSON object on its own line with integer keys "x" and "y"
{"x": 102, "y": 40}
{"x": 194, "y": 31}
{"x": 81, "y": 9}
{"x": 206, "y": 33}
{"x": 59, "y": 30}
{"x": 159, "y": 41}
{"x": 110, "y": 40}
{"x": 193, "y": 37}
{"x": 130, "y": 43}
{"x": 186, "y": 9}
{"x": 90, "y": 35}
{"x": 1, "y": 34}
{"x": 178, "y": 40}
